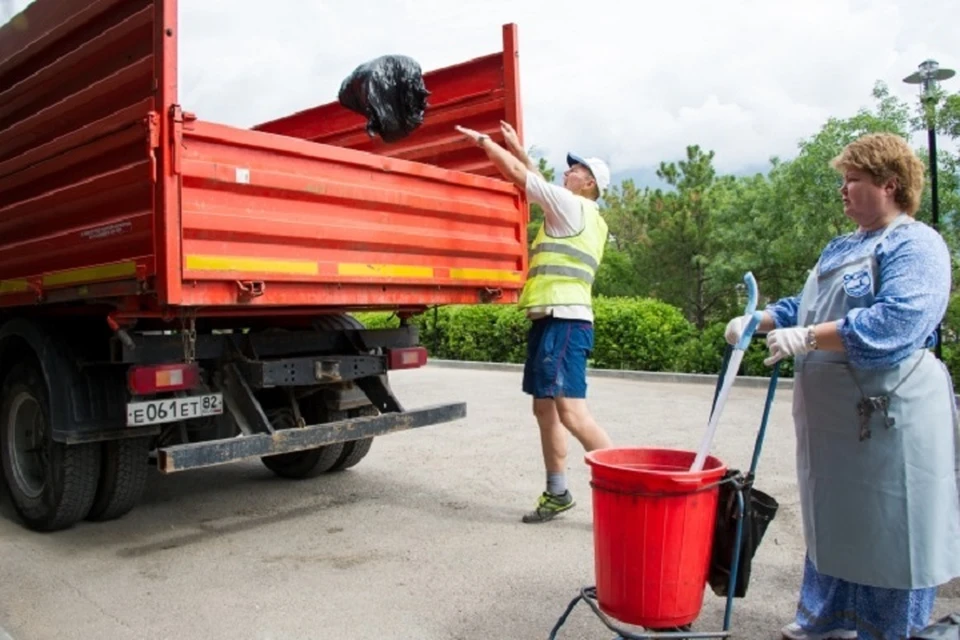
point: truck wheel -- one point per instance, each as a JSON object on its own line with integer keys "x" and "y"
{"x": 355, "y": 450}
{"x": 123, "y": 475}
{"x": 299, "y": 464}
{"x": 52, "y": 485}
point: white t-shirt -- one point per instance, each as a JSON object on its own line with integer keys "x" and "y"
{"x": 563, "y": 217}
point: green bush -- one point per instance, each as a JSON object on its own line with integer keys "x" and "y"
{"x": 703, "y": 352}
{"x": 630, "y": 333}
{"x": 377, "y": 319}
{"x": 638, "y": 334}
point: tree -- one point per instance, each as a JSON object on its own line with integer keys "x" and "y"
{"x": 678, "y": 242}
{"x": 783, "y": 220}
{"x": 624, "y": 210}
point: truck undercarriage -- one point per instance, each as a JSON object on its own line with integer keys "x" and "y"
{"x": 81, "y": 423}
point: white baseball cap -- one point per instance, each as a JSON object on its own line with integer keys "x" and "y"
{"x": 599, "y": 169}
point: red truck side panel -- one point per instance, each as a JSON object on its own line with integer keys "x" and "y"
{"x": 109, "y": 190}
{"x": 76, "y": 185}
{"x": 322, "y": 225}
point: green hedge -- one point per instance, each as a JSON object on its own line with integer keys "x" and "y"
{"x": 637, "y": 334}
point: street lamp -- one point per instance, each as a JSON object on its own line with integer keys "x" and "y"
{"x": 928, "y": 75}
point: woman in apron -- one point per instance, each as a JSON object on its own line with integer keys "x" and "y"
{"x": 873, "y": 408}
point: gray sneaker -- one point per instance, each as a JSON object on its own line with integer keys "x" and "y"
{"x": 549, "y": 506}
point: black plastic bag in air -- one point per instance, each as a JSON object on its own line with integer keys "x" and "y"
{"x": 946, "y": 628}
{"x": 389, "y": 92}
{"x": 760, "y": 510}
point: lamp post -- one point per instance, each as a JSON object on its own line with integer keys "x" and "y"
{"x": 927, "y": 76}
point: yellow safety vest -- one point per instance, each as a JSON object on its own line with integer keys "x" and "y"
{"x": 562, "y": 270}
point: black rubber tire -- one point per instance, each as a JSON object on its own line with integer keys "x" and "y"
{"x": 355, "y": 450}
{"x": 300, "y": 464}
{"x": 123, "y": 475}
{"x": 69, "y": 472}
{"x": 334, "y": 457}
{"x": 304, "y": 464}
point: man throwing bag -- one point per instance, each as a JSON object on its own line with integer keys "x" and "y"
{"x": 557, "y": 297}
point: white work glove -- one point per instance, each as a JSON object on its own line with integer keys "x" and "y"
{"x": 785, "y": 343}
{"x": 735, "y": 329}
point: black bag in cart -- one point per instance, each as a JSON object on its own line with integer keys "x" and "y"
{"x": 760, "y": 509}
{"x": 389, "y": 92}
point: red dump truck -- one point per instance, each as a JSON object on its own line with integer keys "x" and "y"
{"x": 177, "y": 292}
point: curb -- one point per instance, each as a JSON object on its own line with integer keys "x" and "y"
{"x": 622, "y": 374}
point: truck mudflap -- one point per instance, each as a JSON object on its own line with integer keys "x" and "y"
{"x": 216, "y": 452}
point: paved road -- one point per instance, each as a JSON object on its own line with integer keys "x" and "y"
{"x": 421, "y": 541}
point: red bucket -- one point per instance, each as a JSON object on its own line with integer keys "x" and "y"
{"x": 653, "y": 524}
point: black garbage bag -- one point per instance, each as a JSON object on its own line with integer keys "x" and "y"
{"x": 759, "y": 511}
{"x": 389, "y": 92}
{"x": 946, "y": 628}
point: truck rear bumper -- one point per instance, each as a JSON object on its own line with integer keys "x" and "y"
{"x": 216, "y": 452}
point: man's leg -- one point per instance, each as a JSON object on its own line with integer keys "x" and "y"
{"x": 539, "y": 381}
{"x": 576, "y": 417}
{"x": 553, "y": 442}
{"x": 572, "y": 398}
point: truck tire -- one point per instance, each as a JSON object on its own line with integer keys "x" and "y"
{"x": 123, "y": 475}
{"x": 299, "y": 464}
{"x": 355, "y": 450}
{"x": 52, "y": 485}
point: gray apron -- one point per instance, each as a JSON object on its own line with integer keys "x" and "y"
{"x": 876, "y": 450}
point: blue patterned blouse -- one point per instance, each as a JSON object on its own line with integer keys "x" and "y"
{"x": 915, "y": 278}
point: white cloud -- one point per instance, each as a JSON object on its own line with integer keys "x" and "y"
{"x": 633, "y": 82}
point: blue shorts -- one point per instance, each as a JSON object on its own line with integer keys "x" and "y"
{"x": 557, "y": 353}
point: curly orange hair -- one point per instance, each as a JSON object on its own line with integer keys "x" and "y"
{"x": 886, "y": 156}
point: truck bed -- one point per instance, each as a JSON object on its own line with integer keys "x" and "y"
{"x": 111, "y": 192}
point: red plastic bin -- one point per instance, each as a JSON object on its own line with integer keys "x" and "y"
{"x": 653, "y": 524}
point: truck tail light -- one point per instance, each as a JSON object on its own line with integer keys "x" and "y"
{"x": 407, "y": 358}
{"x": 146, "y": 380}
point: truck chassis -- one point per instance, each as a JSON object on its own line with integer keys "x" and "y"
{"x": 82, "y": 424}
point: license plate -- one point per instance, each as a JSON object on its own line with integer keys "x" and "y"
{"x": 173, "y": 409}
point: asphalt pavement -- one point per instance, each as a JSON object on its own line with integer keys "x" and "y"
{"x": 422, "y": 540}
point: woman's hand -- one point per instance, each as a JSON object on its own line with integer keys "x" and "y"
{"x": 736, "y": 326}
{"x": 735, "y": 329}
{"x": 784, "y": 343}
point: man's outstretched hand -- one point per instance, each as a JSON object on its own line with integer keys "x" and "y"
{"x": 509, "y": 166}
{"x": 475, "y": 136}
{"x": 511, "y": 138}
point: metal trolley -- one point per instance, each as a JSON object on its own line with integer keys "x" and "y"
{"x": 742, "y": 488}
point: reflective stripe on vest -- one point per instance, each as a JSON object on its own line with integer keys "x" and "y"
{"x": 556, "y": 247}
{"x": 569, "y": 272}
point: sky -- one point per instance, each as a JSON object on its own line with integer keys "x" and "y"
{"x": 632, "y": 83}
